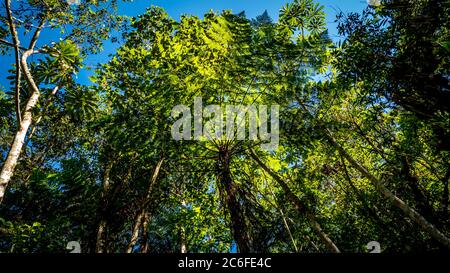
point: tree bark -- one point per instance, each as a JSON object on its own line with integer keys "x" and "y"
{"x": 445, "y": 194}
{"x": 101, "y": 232}
{"x": 144, "y": 240}
{"x": 19, "y": 139}
{"x": 39, "y": 119}
{"x": 397, "y": 202}
{"x": 181, "y": 229}
{"x": 370, "y": 211}
{"x": 300, "y": 207}
{"x": 183, "y": 248}
{"x": 420, "y": 198}
{"x": 229, "y": 196}
{"x": 135, "y": 231}
{"x": 139, "y": 220}
{"x": 286, "y": 225}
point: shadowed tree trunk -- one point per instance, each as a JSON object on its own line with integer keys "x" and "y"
{"x": 229, "y": 196}
{"x": 140, "y": 219}
{"x": 371, "y": 211}
{"x": 301, "y": 208}
{"x": 101, "y": 232}
{"x": 413, "y": 183}
{"x": 285, "y": 223}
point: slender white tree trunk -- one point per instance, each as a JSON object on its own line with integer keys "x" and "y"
{"x": 19, "y": 139}
{"x": 101, "y": 232}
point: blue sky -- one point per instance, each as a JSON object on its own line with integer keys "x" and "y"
{"x": 175, "y": 8}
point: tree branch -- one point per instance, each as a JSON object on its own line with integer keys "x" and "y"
{"x": 2, "y": 41}
{"x": 47, "y": 104}
{"x": 29, "y": 52}
{"x": 16, "y": 45}
{"x": 36, "y": 34}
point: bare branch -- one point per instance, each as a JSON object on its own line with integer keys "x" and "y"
{"x": 12, "y": 28}
{"x": 2, "y": 41}
{"x": 36, "y": 34}
{"x": 47, "y": 104}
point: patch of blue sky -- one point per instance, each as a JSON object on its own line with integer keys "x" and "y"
{"x": 176, "y": 8}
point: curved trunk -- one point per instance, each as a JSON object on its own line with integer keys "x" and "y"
{"x": 101, "y": 232}
{"x": 138, "y": 220}
{"x": 19, "y": 139}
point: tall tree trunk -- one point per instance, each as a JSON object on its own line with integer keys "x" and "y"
{"x": 413, "y": 183}
{"x": 19, "y": 139}
{"x": 144, "y": 240}
{"x": 181, "y": 229}
{"x": 397, "y": 202}
{"x": 101, "y": 232}
{"x": 365, "y": 208}
{"x": 183, "y": 247}
{"x": 301, "y": 208}
{"x": 286, "y": 225}
{"x": 229, "y": 195}
{"x": 12, "y": 29}
{"x": 445, "y": 194}
{"x": 142, "y": 212}
{"x": 44, "y": 111}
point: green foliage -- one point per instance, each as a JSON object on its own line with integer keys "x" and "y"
{"x": 81, "y": 103}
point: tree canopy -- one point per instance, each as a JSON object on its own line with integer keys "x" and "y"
{"x": 362, "y": 154}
